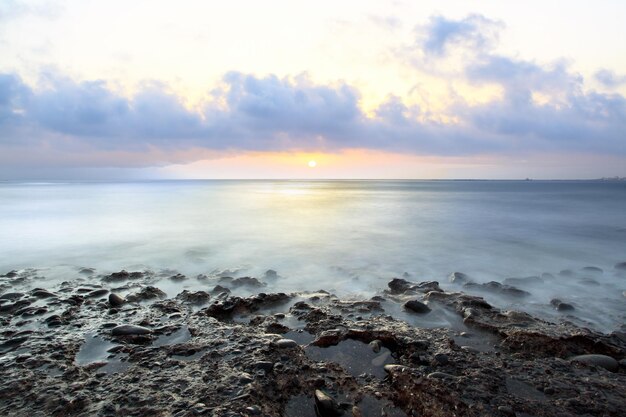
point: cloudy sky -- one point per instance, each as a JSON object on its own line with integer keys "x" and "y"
{"x": 368, "y": 89}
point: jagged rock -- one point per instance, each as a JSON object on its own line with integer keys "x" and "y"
{"x": 198, "y": 297}
{"x": 123, "y": 275}
{"x": 147, "y": 293}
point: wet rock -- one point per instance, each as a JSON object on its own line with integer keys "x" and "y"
{"x": 98, "y": 293}
{"x": 11, "y": 296}
{"x": 116, "y": 300}
{"x": 220, "y": 289}
{"x": 197, "y": 298}
{"x": 270, "y": 274}
{"x": 123, "y": 275}
{"x": 10, "y": 274}
{"x": 440, "y": 375}
{"x": 376, "y": 345}
{"x": 561, "y": 306}
{"x": 458, "y": 278}
{"x": 87, "y": 271}
{"x": 247, "y": 282}
{"x": 592, "y": 270}
{"x": 326, "y": 406}
{"x": 394, "y": 368}
{"x": 40, "y": 293}
{"x": 532, "y": 280}
{"x": 602, "y": 361}
{"x": 178, "y": 278}
{"x": 620, "y": 266}
{"x": 400, "y": 286}
{"x": 497, "y": 288}
{"x": 129, "y": 330}
{"x": 286, "y": 344}
{"x": 147, "y": 293}
{"x": 416, "y": 307}
{"x": 566, "y": 273}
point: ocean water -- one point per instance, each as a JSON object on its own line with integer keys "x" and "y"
{"x": 349, "y": 237}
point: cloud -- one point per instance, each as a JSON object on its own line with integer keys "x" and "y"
{"x": 542, "y": 108}
{"x": 474, "y": 31}
{"x": 609, "y": 78}
{"x": 13, "y": 9}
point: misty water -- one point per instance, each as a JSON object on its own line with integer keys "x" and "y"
{"x": 348, "y": 237}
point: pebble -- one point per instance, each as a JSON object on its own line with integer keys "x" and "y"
{"x": 98, "y": 293}
{"x": 440, "y": 375}
{"x": 417, "y": 307}
{"x": 602, "y": 361}
{"x": 286, "y": 344}
{"x": 116, "y": 300}
{"x": 325, "y": 405}
{"x": 129, "y": 329}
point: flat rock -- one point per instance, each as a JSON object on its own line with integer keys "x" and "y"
{"x": 602, "y": 361}
{"x": 129, "y": 329}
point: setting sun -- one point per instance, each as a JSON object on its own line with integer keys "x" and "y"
{"x": 312, "y": 164}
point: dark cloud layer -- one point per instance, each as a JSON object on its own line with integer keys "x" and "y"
{"x": 72, "y": 118}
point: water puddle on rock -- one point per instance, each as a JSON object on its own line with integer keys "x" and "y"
{"x": 181, "y": 335}
{"x": 304, "y": 406}
{"x": 95, "y": 350}
{"x": 300, "y": 406}
{"x": 301, "y": 336}
{"x": 477, "y": 341}
{"x": 354, "y": 356}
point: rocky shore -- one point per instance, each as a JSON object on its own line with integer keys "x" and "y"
{"x": 116, "y": 345}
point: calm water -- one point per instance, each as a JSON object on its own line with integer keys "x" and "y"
{"x": 348, "y": 236}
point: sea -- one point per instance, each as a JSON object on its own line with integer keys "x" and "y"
{"x": 347, "y": 237}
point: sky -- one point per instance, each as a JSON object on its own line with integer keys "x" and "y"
{"x": 150, "y": 89}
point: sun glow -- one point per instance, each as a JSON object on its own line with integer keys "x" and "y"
{"x": 312, "y": 164}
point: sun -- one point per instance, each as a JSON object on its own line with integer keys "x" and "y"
{"x": 312, "y": 164}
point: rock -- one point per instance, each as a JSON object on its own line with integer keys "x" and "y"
{"x": 147, "y": 293}
{"x": 566, "y": 273}
{"x": 376, "y": 345}
{"x": 178, "y": 278}
{"x": 266, "y": 366}
{"x": 86, "y": 271}
{"x": 129, "y": 330}
{"x": 532, "y": 280}
{"x": 98, "y": 293}
{"x": 620, "y": 266}
{"x": 561, "y": 306}
{"x": 393, "y": 368}
{"x": 123, "y": 275}
{"x": 399, "y": 285}
{"x": 11, "y": 296}
{"x": 417, "y": 307}
{"x": 39, "y": 293}
{"x": 197, "y": 298}
{"x": 593, "y": 270}
{"x": 458, "y": 278}
{"x": 286, "y": 344}
{"x": 497, "y": 288}
{"x": 270, "y": 274}
{"x": 441, "y": 358}
{"x": 565, "y": 307}
{"x": 440, "y": 375}
{"x": 219, "y": 289}
{"x": 326, "y": 406}
{"x": 602, "y": 361}
{"x": 10, "y": 274}
{"x": 247, "y": 282}
{"x": 116, "y": 300}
